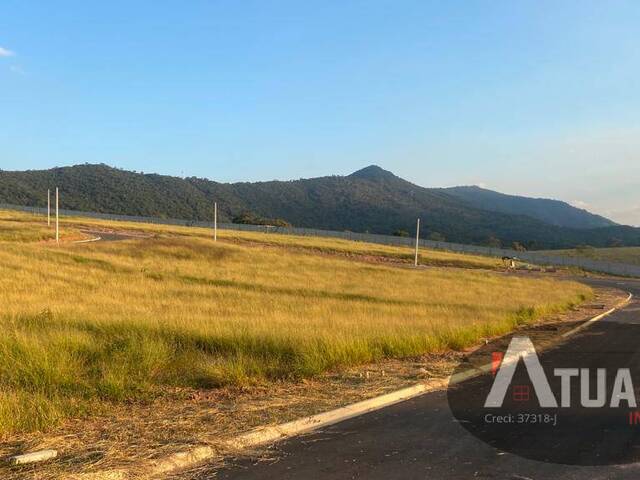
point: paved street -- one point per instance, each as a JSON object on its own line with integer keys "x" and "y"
{"x": 420, "y": 438}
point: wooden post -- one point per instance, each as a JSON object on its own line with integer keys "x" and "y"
{"x": 215, "y": 221}
{"x": 48, "y": 207}
{"x": 57, "y": 218}
{"x": 417, "y": 242}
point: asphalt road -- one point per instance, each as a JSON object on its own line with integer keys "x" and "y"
{"x": 421, "y": 438}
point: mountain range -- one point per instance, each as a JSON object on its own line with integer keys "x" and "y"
{"x": 369, "y": 200}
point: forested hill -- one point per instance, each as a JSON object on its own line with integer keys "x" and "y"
{"x": 553, "y": 212}
{"x": 370, "y": 199}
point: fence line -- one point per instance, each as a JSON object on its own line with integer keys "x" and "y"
{"x": 539, "y": 258}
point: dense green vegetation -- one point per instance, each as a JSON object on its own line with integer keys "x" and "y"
{"x": 552, "y": 212}
{"x": 370, "y": 200}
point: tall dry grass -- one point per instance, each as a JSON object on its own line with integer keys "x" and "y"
{"x": 87, "y": 325}
{"x": 305, "y": 243}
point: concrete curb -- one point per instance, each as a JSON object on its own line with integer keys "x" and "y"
{"x": 96, "y": 239}
{"x": 307, "y": 424}
{"x": 263, "y": 435}
{"x": 33, "y": 457}
{"x": 599, "y": 317}
{"x": 477, "y": 371}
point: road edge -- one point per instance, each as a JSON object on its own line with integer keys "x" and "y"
{"x": 270, "y": 434}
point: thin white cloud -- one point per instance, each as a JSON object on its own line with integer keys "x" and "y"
{"x": 580, "y": 204}
{"x": 6, "y": 53}
{"x": 629, "y": 216}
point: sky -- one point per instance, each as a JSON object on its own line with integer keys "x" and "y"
{"x": 538, "y": 98}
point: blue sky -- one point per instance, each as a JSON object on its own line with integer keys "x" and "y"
{"x": 529, "y": 97}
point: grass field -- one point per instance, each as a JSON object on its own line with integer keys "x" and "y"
{"x": 629, "y": 255}
{"x": 19, "y": 227}
{"x": 305, "y": 243}
{"x": 86, "y": 325}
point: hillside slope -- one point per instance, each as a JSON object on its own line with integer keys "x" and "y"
{"x": 553, "y": 212}
{"x": 370, "y": 199}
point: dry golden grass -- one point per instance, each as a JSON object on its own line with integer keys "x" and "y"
{"x": 87, "y": 325}
{"x": 321, "y": 245}
{"x": 20, "y": 227}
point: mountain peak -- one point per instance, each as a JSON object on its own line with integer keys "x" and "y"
{"x": 373, "y": 172}
{"x": 371, "y": 199}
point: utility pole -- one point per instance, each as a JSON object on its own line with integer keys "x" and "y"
{"x": 417, "y": 242}
{"x": 48, "y": 207}
{"x": 57, "y": 218}
{"x": 215, "y": 221}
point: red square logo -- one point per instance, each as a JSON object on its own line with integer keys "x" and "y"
{"x": 520, "y": 393}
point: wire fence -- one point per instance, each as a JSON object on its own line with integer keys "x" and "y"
{"x": 538, "y": 258}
